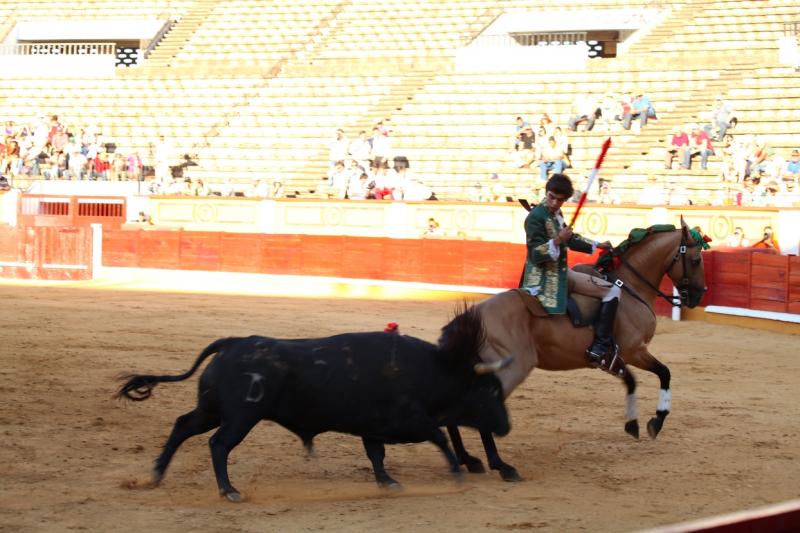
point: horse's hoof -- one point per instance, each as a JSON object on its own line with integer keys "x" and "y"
{"x": 234, "y": 497}
{"x": 158, "y": 475}
{"x": 654, "y": 427}
{"x": 510, "y": 474}
{"x": 632, "y": 428}
{"x": 474, "y": 466}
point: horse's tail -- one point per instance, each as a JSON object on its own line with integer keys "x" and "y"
{"x": 139, "y": 387}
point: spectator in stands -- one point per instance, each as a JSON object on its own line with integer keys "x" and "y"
{"x": 738, "y": 239}
{"x": 525, "y": 151}
{"x": 277, "y": 189}
{"x": 116, "y": 171}
{"x": 584, "y": 111}
{"x": 337, "y": 151}
{"x": 100, "y": 166}
{"x": 610, "y": 110}
{"x": 520, "y": 124}
{"x": 385, "y": 181}
{"x": 607, "y": 195}
{"x": 748, "y": 196}
{"x": 339, "y": 181}
{"x": 9, "y": 129}
{"x": 4, "y": 185}
{"x": 134, "y": 167}
{"x": 360, "y": 149}
{"x": 410, "y": 187}
{"x": 768, "y": 240}
{"x": 433, "y": 229}
{"x": 721, "y": 119}
{"x": 163, "y": 155}
{"x": 757, "y": 155}
{"x": 359, "y": 188}
{"x": 792, "y": 168}
{"x": 77, "y": 165}
{"x": 259, "y": 189}
{"x": 699, "y": 144}
{"x": 562, "y": 141}
{"x": 677, "y": 144}
{"x": 199, "y": 187}
{"x": 653, "y": 192}
{"x": 552, "y": 158}
{"x": 547, "y": 123}
{"x": 381, "y": 145}
{"x": 789, "y": 190}
{"x": 11, "y": 161}
{"x": 640, "y": 108}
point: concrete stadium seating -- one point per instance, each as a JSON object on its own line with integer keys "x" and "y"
{"x": 256, "y": 89}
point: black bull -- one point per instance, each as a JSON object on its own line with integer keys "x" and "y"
{"x": 384, "y": 387}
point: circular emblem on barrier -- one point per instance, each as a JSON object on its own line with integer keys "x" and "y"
{"x": 205, "y": 213}
{"x": 463, "y": 219}
{"x": 595, "y": 224}
{"x": 721, "y": 226}
{"x": 332, "y": 216}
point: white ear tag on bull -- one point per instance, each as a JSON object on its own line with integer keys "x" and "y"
{"x": 256, "y": 390}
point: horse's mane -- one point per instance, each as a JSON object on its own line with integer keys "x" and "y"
{"x": 606, "y": 262}
{"x": 464, "y": 335}
{"x": 608, "y": 259}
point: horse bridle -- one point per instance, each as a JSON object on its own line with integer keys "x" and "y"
{"x": 683, "y": 287}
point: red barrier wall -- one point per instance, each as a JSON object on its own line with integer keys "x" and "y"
{"x": 740, "y": 278}
{"x": 489, "y": 264}
{"x": 46, "y": 253}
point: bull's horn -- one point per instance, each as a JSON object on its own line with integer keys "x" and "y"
{"x": 488, "y": 368}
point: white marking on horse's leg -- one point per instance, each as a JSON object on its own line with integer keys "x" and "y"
{"x": 631, "y": 407}
{"x": 664, "y": 400}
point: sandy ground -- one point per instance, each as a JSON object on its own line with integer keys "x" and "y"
{"x": 74, "y": 459}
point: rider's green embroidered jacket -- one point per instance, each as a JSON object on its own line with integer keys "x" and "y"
{"x": 541, "y": 271}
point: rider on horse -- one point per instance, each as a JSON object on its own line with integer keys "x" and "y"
{"x": 547, "y": 276}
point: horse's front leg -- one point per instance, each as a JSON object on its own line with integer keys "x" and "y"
{"x": 655, "y": 424}
{"x": 507, "y": 472}
{"x": 473, "y": 464}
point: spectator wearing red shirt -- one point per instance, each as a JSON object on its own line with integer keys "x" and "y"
{"x": 677, "y": 144}
{"x": 699, "y": 143}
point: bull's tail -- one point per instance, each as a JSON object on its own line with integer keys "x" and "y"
{"x": 139, "y": 387}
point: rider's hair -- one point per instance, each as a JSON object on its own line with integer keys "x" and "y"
{"x": 560, "y": 184}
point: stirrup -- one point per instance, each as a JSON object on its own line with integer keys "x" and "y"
{"x": 607, "y": 362}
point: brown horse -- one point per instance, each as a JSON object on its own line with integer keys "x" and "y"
{"x": 553, "y": 343}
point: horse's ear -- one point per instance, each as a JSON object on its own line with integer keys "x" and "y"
{"x": 684, "y": 229}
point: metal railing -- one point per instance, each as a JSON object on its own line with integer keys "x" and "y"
{"x": 53, "y": 49}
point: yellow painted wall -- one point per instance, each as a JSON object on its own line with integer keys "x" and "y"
{"x": 496, "y": 222}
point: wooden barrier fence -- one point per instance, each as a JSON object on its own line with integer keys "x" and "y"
{"x": 736, "y": 279}
{"x": 46, "y": 253}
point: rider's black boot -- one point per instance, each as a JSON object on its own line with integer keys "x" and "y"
{"x": 603, "y": 348}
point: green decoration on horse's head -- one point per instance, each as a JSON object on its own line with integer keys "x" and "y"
{"x": 700, "y": 238}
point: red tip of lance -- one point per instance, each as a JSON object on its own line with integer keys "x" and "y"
{"x": 603, "y": 151}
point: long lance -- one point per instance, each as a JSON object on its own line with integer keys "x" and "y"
{"x": 592, "y": 176}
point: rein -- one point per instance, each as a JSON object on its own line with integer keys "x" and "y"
{"x": 683, "y": 288}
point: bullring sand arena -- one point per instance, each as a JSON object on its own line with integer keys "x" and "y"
{"x": 75, "y": 459}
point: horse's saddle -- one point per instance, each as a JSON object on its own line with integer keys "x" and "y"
{"x": 581, "y": 309}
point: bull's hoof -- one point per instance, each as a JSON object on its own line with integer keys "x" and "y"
{"x": 390, "y": 485}
{"x": 509, "y": 473}
{"x": 158, "y": 475}
{"x": 654, "y": 426}
{"x": 473, "y": 465}
{"x": 632, "y": 428}
{"x": 234, "y": 497}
